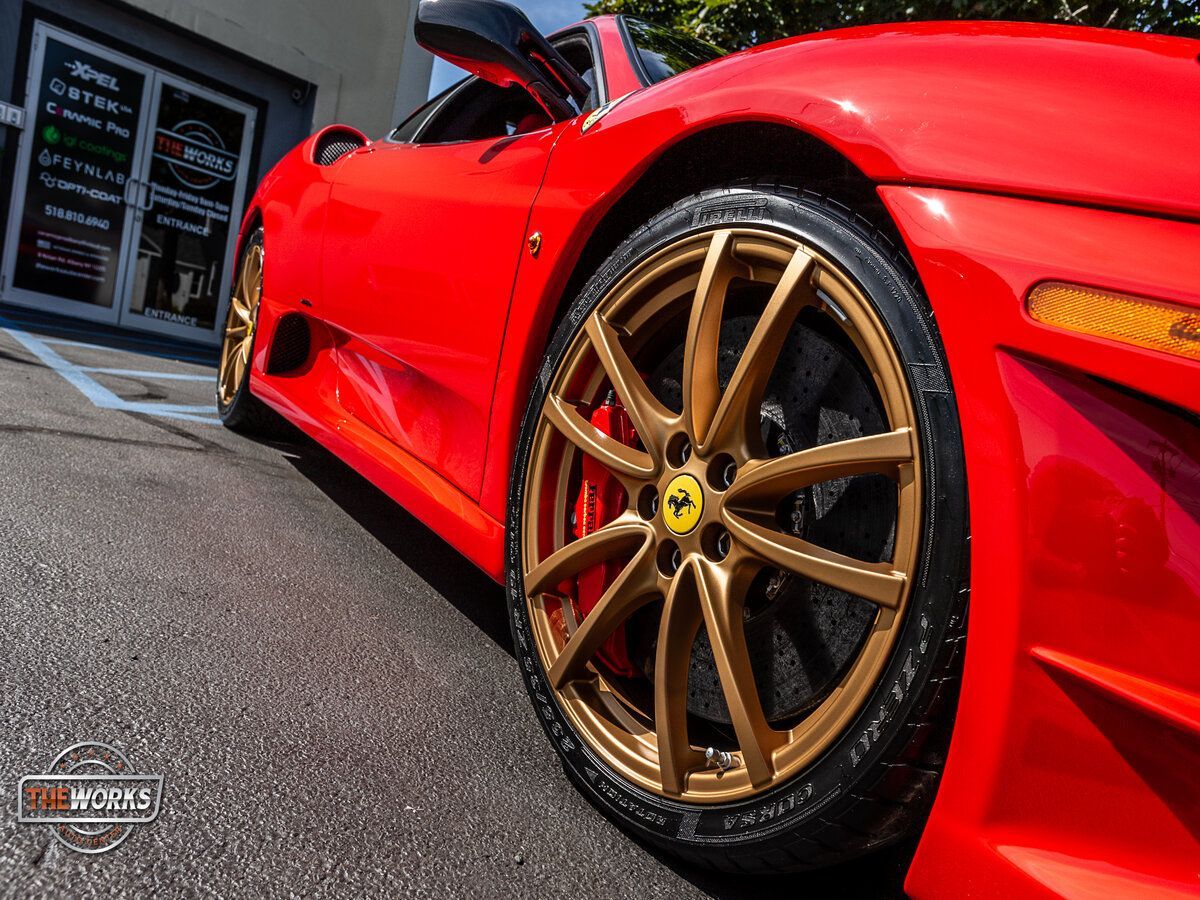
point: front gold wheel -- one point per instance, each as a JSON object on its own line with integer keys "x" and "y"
{"x": 703, "y": 532}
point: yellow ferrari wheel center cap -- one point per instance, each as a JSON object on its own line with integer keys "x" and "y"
{"x": 683, "y": 504}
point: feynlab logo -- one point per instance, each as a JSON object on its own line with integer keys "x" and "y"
{"x": 90, "y": 798}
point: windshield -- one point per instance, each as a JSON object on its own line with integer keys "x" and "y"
{"x": 664, "y": 52}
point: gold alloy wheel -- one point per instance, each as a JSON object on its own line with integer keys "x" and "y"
{"x": 702, "y": 568}
{"x": 239, "y": 325}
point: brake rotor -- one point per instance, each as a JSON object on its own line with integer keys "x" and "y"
{"x": 802, "y": 635}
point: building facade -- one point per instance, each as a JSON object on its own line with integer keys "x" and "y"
{"x": 132, "y": 135}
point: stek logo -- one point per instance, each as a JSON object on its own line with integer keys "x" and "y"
{"x": 84, "y": 72}
{"x": 89, "y": 98}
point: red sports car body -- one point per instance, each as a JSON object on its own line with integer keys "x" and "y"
{"x": 429, "y": 275}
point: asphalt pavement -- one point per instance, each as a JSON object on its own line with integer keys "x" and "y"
{"x": 327, "y": 688}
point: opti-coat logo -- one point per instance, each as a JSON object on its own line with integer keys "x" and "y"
{"x": 90, "y": 797}
{"x": 54, "y": 183}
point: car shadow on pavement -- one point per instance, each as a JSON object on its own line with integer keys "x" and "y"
{"x": 878, "y": 875}
{"x": 434, "y": 561}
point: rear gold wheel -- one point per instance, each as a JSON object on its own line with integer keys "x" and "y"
{"x": 238, "y": 340}
{"x": 238, "y": 408}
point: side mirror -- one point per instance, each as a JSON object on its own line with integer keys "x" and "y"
{"x": 495, "y": 41}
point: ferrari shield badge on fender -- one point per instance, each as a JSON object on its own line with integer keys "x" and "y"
{"x": 600, "y": 112}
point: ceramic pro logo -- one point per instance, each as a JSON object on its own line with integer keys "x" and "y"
{"x": 195, "y": 154}
{"x": 90, "y": 797}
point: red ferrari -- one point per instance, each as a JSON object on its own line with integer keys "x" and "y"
{"x": 747, "y": 376}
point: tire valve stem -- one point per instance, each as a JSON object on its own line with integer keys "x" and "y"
{"x": 722, "y": 759}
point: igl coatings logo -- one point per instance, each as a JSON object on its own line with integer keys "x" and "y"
{"x": 90, "y": 798}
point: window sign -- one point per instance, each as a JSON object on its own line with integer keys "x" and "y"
{"x": 83, "y": 137}
{"x": 129, "y": 187}
{"x": 194, "y": 166}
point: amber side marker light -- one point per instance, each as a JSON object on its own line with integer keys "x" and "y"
{"x": 1140, "y": 321}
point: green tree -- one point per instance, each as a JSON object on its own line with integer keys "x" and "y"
{"x": 734, "y": 24}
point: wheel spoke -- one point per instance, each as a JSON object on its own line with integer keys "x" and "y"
{"x": 681, "y": 618}
{"x": 240, "y": 291}
{"x": 228, "y": 352}
{"x": 622, "y": 536}
{"x": 633, "y": 588}
{"x": 650, "y": 418}
{"x": 252, "y": 279}
{"x": 241, "y": 310}
{"x": 877, "y": 582}
{"x": 723, "y": 619}
{"x": 762, "y": 486}
{"x": 737, "y": 414}
{"x": 624, "y": 462}
{"x": 239, "y": 366}
{"x": 701, "y": 389}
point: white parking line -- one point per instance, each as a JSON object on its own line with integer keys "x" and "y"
{"x": 100, "y": 396}
{"x": 145, "y": 373}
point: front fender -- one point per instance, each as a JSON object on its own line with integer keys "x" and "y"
{"x": 1082, "y": 115}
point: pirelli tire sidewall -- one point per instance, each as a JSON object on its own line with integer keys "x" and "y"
{"x": 889, "y": 721}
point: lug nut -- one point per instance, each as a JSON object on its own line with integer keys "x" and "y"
{"x": 647, "y": 502}
{"x": 668, "y": 559}
{"x": 729, "y": 473}
{"x": 724, "y": 544}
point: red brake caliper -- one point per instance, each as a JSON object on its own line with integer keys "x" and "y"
{"x": 601, "y": 499}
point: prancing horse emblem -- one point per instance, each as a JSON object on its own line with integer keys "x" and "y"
{"x": 680, "y": 503}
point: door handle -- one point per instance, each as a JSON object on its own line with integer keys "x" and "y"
{"x": 125, "y": 191}
{"x": 149, "y": 186}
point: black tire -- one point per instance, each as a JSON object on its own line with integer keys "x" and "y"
{"x": 245, "y": 413}
{"x": 876, "y": 782}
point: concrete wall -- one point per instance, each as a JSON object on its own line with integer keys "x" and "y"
{"x": 359, "y": 55}
{"x": 351, "y": 50}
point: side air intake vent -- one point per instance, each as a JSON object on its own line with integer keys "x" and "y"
{"x": 333, "y": 145}
{"x": 290, "y": 348}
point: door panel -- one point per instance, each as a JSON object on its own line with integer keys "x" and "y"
{"x": 421, "y": 249}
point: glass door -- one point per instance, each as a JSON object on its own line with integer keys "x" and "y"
{"x": 129, "y": 186}
{"x": 75, "y": 193}
{"x": 194, "y": 172}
